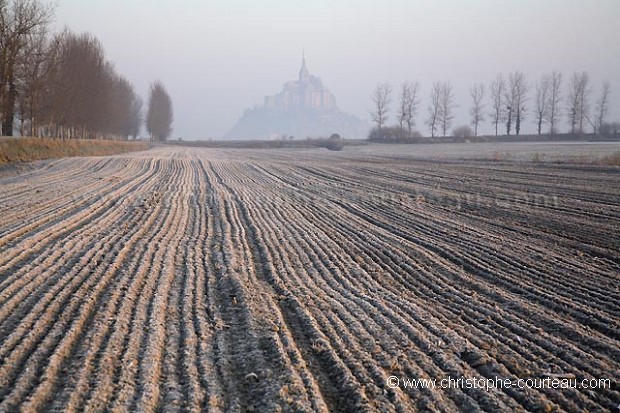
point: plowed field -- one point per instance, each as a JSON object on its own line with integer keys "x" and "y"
{"x": 236, "y": 280}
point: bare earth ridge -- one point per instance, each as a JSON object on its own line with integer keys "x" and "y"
{"x": 182, "y": 279}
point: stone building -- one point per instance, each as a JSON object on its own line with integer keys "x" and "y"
{"x": 304, "y": 108}
{"x": 305, "y": 92}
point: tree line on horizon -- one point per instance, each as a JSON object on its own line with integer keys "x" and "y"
{"x": 507, "y": 98}
{"x": 62, "y": 86}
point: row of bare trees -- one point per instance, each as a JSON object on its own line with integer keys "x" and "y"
{"x": 551, "y": 102}
{"x": 76, "y": 93}
{"x": 508, "y": 98}
{"x": 61, "y": 85}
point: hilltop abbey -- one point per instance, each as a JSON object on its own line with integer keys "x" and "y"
{"x": 303, "y": 109}
{"x": 306, "y": 92}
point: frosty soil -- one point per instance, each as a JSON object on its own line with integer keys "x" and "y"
{"x": 238, "y": 280}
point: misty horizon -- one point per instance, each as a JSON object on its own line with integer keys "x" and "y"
{"x": 218, "y": 60}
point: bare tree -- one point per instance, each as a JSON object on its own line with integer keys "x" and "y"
{"x": 412, "y": 107}
{"x": 446, "y": 106}
{"x": 19, "y": 21}
{"x": 602, "y": 106}
{"x": 159, "y": 116}
{"x": 401, "y": 114}
{"x": 381, "y": 99}
{"x": 136, "y": 116}
{"x": 543, "y": 88}
{"x": 515, "y": 96}
{"x": 81, "y": 89}
{"x": 579, "y": 101}
{"x": 584, "y": 101}
{"x": 434, "y": 108}
{"x": 555, "y": 90}
{"x": 573, "y": 103}
{"x": 477, "y": 105}
{"x": 33, "y": 69}
{"x": 408, "y": 108}
{"x": 498, "y": 89}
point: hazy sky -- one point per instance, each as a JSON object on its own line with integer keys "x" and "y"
{"x": 219, "y": 57}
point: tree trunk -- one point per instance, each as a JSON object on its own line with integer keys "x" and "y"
{"x": 8, "y": 112}
{"x": 509, "y": 123}
{"x": 552, "y": 122}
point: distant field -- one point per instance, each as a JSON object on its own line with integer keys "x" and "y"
{"x": 555, "y": 152}
{"x": 301, "y": 280}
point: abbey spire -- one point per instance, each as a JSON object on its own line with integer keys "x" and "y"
{"x": 304, "y": 74}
